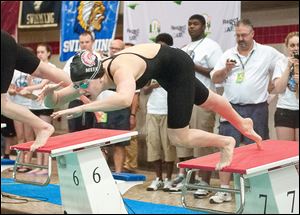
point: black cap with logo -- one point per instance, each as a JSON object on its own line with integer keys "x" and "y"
{"x": 85, "y": 65}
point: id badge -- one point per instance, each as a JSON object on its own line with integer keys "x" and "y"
{"x": 240, "y": 77}
{"x": 103, "y": 118}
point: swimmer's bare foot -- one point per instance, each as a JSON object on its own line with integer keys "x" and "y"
{"x": 249, "y": 132}
{"x": 226, "y": 154}
{"x": 42, "y": 137}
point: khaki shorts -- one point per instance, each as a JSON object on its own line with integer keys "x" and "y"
{"x": 204, "y": 120}
{"x": 158, "y": 143}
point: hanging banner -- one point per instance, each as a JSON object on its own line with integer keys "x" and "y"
{"x": 9, "y": 17}
{"x": 98, "y": 17}
{"x": 39, "y": 14}
{"x": 144, "y": 20}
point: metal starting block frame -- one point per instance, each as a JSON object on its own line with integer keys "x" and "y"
{"x": 86, "y": 183}
{"x": 265, "y": 181}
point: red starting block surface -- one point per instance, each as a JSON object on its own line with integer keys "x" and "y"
{"x": 247, "y": 158}
{"x": 78, "y": 139}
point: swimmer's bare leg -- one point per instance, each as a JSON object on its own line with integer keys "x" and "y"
{"x": 42, "y": 129}
{"x": 221, "y": 106}
{"x": 191, "y": 138}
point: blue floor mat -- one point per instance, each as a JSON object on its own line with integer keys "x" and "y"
{"x": 51, "y": 194}
{"x": 7, "y": 161}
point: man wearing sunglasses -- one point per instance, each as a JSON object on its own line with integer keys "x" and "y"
{"x": 244, "y": 71}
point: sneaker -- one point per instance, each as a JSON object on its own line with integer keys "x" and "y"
{"x": 220, "y": 197}
{"x": 201, "y": 193}
{"x": 178, "y": 187}
{"x": 167, "y": 185}
{"x": 155, "y": 185}
{"x": 177, "y": 180}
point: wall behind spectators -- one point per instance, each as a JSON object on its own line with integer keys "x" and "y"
{"x": 260, "y": 18}
{"x": 273, "y": 17}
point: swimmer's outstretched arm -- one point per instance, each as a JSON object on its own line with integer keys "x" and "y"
{"x": 51, "y": 73}
{"x": 125, "y": 91}
{"x": 55, "y": 99}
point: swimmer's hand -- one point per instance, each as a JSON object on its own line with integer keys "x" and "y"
{"x": 48, "y": 89}
{"x": 27, "y": 93}
{"x": 71, "y": 113}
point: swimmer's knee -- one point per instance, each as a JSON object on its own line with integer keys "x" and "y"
{"x": 178, "y": 137}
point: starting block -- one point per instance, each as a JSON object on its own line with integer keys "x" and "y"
{"x": 86, "y": 182}
{"x": 265, "y": 181}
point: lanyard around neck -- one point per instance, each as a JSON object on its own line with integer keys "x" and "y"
{"x": 243, "y": 65}
{"x": 198, "y": 43}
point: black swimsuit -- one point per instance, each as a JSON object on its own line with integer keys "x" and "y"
{"x": 14, "y": 56}
{"x": 174, "y": 71}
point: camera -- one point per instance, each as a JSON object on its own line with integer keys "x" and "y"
{"x": 231, "y": 60}
{"x": 296, "y": 55}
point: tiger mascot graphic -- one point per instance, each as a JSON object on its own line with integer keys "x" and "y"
{"x": 91, "y": 15}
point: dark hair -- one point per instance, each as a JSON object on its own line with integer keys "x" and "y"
{"x": 165, "y": 38}
{"x": 200, "y": 18}
{"x": 246, "y": 22}
{"x": 48, "y": 48}
{"x": 129, "y": 44}
{"x": 88, "y": 33}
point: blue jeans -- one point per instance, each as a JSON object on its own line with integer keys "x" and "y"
{"x": 83, "y": 122}
{"x": 259, "y": 113}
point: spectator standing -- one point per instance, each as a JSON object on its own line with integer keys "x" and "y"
{"x": 18, "y": 94}
{"x": 39, "y": 109}
{"x": 119, "y": 119}
{"x": 86, "y": 120}
{"x": 286, "y": 84}
{"x": 131, "y": 151}
{"x": 244, "y": 71}
{"x": 205, "y": 53}
{"x": 158, "y": 143}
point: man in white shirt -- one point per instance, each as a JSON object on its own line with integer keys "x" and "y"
{"x": 245, "y": 71}
{"x": 159, "y": 148}
{"x": 118, "y": 119}
{"x": 205, "y": 53}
